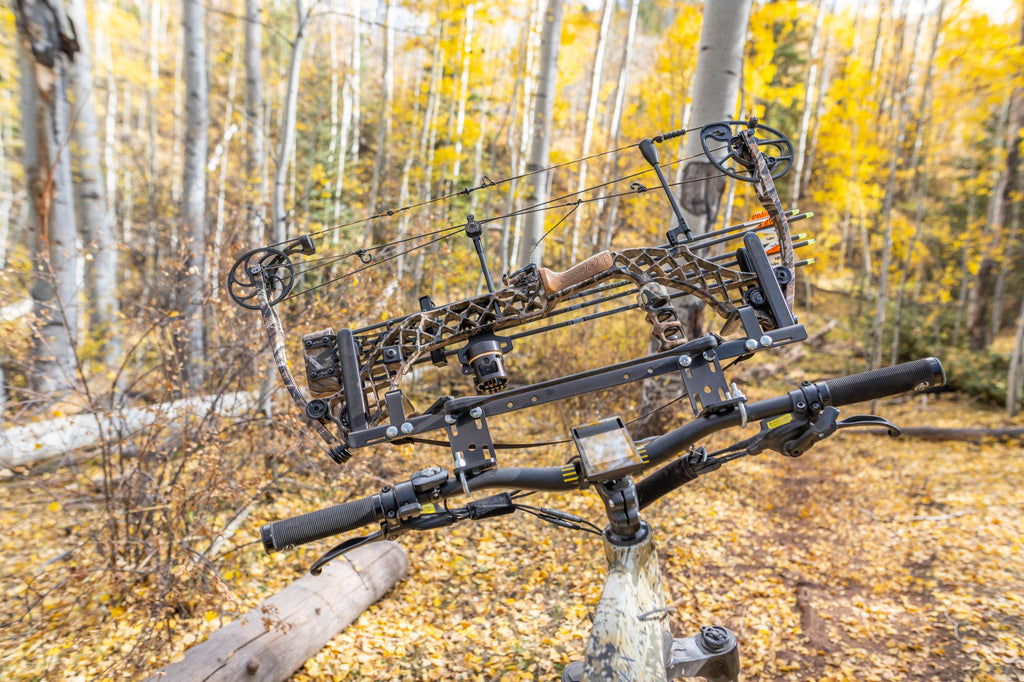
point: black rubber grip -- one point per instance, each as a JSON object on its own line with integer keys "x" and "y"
{"x": 319, "y": 524}
{"x": 879, "y": 383}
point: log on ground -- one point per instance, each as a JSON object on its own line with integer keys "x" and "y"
{"x": 276, "y": 637}
{"x": 20, "y": 445}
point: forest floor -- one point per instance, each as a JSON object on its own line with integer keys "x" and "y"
{"x": 866, "y": 559}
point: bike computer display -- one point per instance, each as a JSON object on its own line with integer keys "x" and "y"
{"x": 607, "y": 450}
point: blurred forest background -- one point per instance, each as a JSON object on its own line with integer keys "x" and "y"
{"x": 145, "y": 145}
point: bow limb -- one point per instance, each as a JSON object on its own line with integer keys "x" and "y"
{"x": 768, "y": 195}
{"x": 275, "y": 336}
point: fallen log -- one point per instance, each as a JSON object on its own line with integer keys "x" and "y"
{"x": 41, "y": 440}
{"x": 938, "y": 433}
{"x": 274, "y": 639}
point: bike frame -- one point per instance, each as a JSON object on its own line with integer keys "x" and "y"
{"x": 629, "y": 639}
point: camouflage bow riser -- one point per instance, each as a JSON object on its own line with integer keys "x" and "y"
{"x": 355, "y": 375}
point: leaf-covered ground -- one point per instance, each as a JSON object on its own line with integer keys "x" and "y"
{"x": 866, "y": 559}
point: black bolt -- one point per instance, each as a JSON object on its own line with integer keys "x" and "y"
{"x": 714, "y": 638}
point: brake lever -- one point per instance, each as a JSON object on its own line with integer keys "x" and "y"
{"x": 870, "y": 420}
{"x": 346, "y": 546}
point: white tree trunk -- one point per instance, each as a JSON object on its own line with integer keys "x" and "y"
{"x": 193, "y": 198}
{"x": 95, "y": 217}
{"x": 540, "y": 145}
{"x": 280, "y": 227}
{"x": 219, "y": 163}
{"x": 255, "y": 157}
{"x": 588, "y": 123}
{"x": 356, "y": 67}
{"x": 723, "y": 37}
{"x": 384, "y": 125}
{"x": 460, "y": 116}
{"x": 809, "y": 85}
{"x": 613, "y": 131}
{"x": 902, "y": 102}
{"x": 921, "y": 175}
{"x": 45, "y": 121}
{"x": 1015, "y": 378}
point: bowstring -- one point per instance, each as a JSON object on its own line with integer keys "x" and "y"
{"x": 452, "y": 230}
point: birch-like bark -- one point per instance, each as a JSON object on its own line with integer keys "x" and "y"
{"x": 356, "y": 72}
{"x": 6, "y": 200}
{"x": 965, "y": 272}
{"x": 6, "y": 203}
{"x": 1015, "y": 376}
{"x": 460, "y": 115}
{"x": 428, "y": 118}
{"x": 153, "y": 93}
{"x": 332, "y": 184}
{"x": 191, "y": 285}
{"x": 509, "y": 246}
{"x": 285, "y": 154}
{"x": 902, "y": 104}
{"x": 716, "y": 89}
{"x": 255, "y": 157}
{"x": 921, "y": 175}
{"x": 1005, "y": 266}
{"x": 809, "y": 85}
{"x": 93, "y": 215}
{"x": 219, "y": 163}
{"x": 613, "y": 125}
{"x": 540, "y": 145}
{"x": 380, "y": 163}
{"x": 44, "y": 34}
{"x": 978, "y": 304}
{"x": 588, "y": 123}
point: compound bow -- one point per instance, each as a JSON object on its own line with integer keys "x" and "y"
{"x": 355, "y": 374}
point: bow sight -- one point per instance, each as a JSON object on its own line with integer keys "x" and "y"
{"x": 354, "y": 375}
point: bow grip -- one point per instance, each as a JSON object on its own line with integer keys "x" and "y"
{"x": 553, "y": 282}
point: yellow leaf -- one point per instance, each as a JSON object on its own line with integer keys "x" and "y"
{"x": 54, "y": 506}
{"x": 210, "y": 615}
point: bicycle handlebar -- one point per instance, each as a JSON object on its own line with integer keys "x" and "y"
{"x": 316, "y": 525}
{"x": 319, "y": 524}
{"x": 879, "y": 383}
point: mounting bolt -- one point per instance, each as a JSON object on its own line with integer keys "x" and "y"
{"x": 407, "y": 428}
{"x": 685, "y": 361}
{"x": 449, "y": 419}
{"x": 476, "y": 413}
{"x": 751, "y": 344}
{"x": 709, "y": 355}
{"x": 392, "y": 431}
{"x": 767, "y": 341}
{"x": 714, "y": 638}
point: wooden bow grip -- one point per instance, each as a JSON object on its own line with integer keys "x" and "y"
{"x": 553, "y": 282}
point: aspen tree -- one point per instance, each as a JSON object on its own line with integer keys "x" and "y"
{"x": 540, "y": 136}
{"x": 47, "y": 46}
{"x": 190, "y": 283}
{"x": 255, "y": 156}
{"x": 95, "y": 218}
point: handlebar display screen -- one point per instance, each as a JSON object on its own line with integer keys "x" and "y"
{"x": 607, "y": 450}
